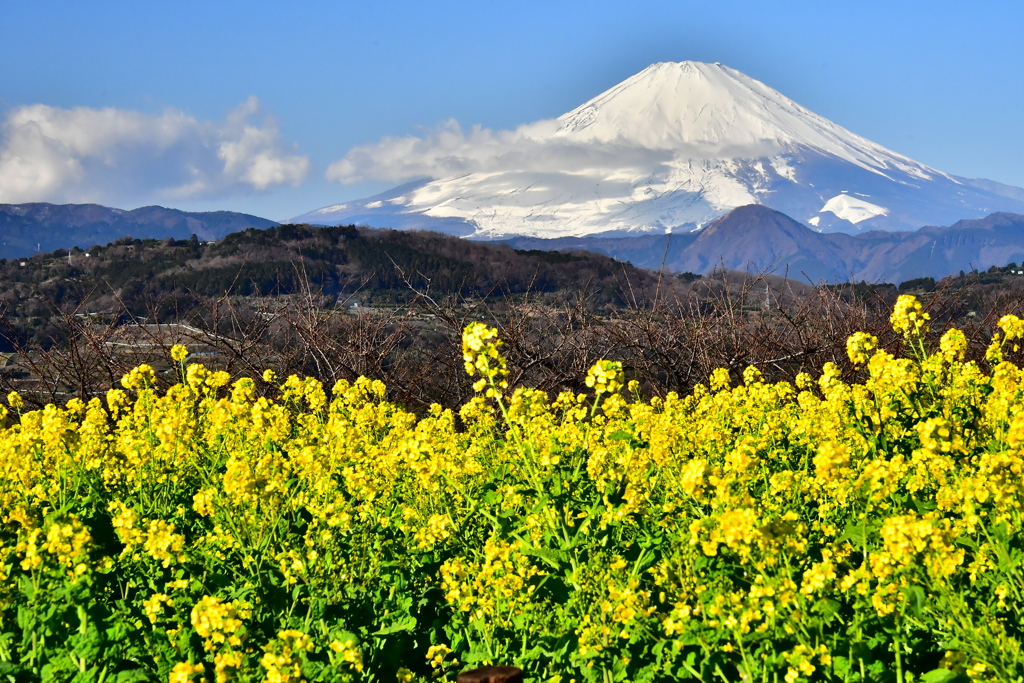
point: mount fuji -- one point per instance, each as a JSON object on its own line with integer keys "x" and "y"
{"x": 670, "y": 149}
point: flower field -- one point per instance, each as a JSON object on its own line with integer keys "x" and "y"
{"x": 820, "y": 530}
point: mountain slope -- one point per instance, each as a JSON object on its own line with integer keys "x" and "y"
{"x": 756, "y": 238}
{"x": 26, "y": 229}
{"x": 671, "y": 149}
{"x": 977, "y": 244}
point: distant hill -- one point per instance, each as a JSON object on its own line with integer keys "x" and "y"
{"x": 975, "y": 244}
{"x": 27, "y": 229}
{"x": 356, "y": 266}
{"x": 751, "y": 238}
{"x": 756, "y": 238}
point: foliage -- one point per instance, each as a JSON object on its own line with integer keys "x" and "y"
{"x": 820, "y": 530}
{"x": 924, "y": 283}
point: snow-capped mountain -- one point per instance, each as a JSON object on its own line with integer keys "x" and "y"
{"x": 670, "y": 149}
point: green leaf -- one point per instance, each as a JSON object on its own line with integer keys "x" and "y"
{"x": 941, "y": 676}
{"x": 924, "y": 505}
{"x": 917, "y": 598}
{"x": 406, "y": 624}
{"x": 857, "y": 532}
{"x": 827, "y": 608}
{"x": 1008, "y": 562}
{"x": 555, "y": 558}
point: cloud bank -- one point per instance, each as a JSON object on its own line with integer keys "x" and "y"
{"x": 114, "y": 156}
{"x": 450, "y": 151}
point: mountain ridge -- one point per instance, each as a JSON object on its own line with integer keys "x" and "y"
{"x": 759, "y": 239}
{"x": 39, "y": 227}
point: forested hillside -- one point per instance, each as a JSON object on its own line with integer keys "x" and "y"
{"x": 372, "y": 266}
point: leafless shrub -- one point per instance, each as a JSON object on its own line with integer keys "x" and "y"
{"x": 669, "y": 337}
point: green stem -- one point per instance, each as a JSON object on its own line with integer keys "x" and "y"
{"x": 899, "y": 660}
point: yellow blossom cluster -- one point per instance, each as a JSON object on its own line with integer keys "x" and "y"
{"x": 178, "y": 353}
{"x": 216, "y": 621}
{"x": 348, "y": 653}
{"x": 605, "y": 377}
{"x": 481, "y": 354}
{"x": 141, "y": 377}
{"x": 908, "y": 316}
{"x": 282, "y": 657}
{"x": 832, "y": 528}
{"x": 859, "y": 347}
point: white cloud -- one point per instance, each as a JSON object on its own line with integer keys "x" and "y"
{"x": 450, "y": 151}
{"x": 117, "y": 156}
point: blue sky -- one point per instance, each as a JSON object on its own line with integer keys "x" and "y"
{"x": 244, "y": 105}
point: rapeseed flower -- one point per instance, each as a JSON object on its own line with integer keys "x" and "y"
{"x": 859, "y": 347}
{"x": 753, "y": 519}
{"x": 908, "y": 317}
{"x": 178, "y": 353}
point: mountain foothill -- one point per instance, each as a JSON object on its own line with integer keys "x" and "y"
{"x": 752, "y": 238}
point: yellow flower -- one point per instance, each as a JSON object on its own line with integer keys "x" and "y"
{"x": 15, "y": 400}
{"x": 433, "y": 532}
{"x": 994, "y": 352}
{"x": 183, "y": 672}
{"x": 218, "y": 379}
{"x": 202, "y": 502}
{"x": 720, "y": 380}
{"x": 225, "y": 664}
{"x": 142, "y": 377}
{"x": 436, "y": 655}
{"x": 162, "y": 544}
{"x": 215, "y": 621}
{"x": 282, "y": 657}
{"x": 1012, "y": 326}
{"x": 908, "y": 317}
{"x": 953, "y": 344}
{"x": 606, "y": 377}
{"x": 196, "y": 375}
{"x": 938, "y": 436}
{"x": 481, "y": 353}
{"x": 68, "y": 542}
{"x": 349, "y": 653}
{"x": 117, "y": 401}
{"x": 859, "y": 346}
{"x": 153, "y": 606}
{"x": 178, "y": 353}
{"x": 817, "y": 577}
{"x": 830, "y": 459}
{"x": 269, "y": 376}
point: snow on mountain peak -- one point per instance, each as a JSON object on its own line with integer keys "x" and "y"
{"x": 674, "y": 146}
{"x": 712, "y": 111}
{"x": 853, "y": 209}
